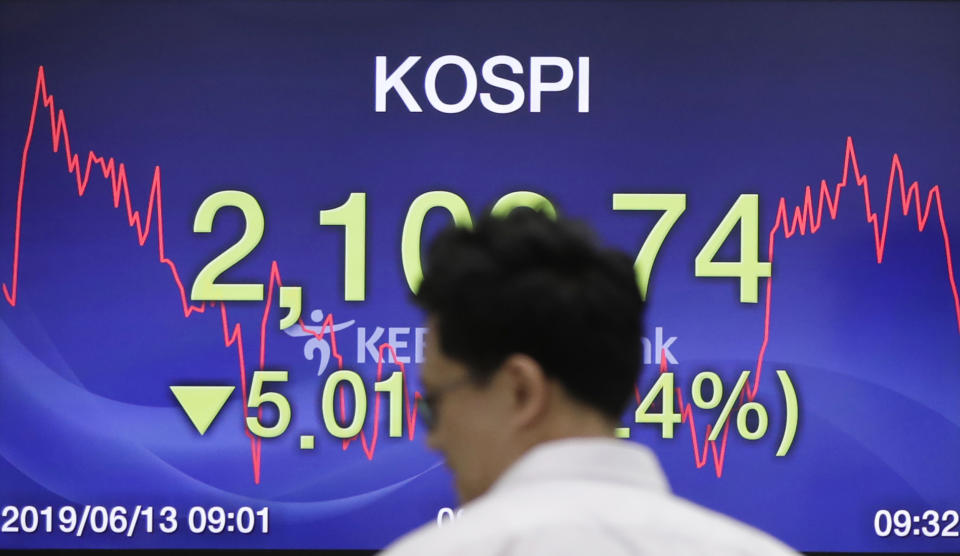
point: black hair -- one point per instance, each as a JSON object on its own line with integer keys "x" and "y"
{"x": 529, "y": 284}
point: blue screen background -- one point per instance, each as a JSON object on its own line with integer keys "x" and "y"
{"x": 277, "y": 99}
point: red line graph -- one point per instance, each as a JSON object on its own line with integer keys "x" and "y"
{"x": 232, "y": 333}
{"x": 686, "y": 416}
{"x": 806, "y": 217}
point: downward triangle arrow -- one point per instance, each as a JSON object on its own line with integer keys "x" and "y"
{"x": 202, "y": 403}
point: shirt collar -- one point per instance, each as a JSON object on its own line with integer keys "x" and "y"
{"x": 592, "y": 459}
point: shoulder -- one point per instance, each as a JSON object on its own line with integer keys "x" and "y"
{"x": 587, "y": 496}
{"x": 431, "y": 539}
{"x": 585, "y": 519}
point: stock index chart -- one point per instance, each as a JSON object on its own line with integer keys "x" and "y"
{"x": 212, "y": 216}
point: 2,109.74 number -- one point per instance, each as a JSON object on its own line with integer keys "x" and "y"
{"x": 352, "y": 216}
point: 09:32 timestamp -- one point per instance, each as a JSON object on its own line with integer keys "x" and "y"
{"x": 929, "y": 523}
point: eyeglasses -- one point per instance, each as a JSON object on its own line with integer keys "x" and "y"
{"x": 427, "y": 404}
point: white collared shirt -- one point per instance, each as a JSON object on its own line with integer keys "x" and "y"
{"x": 586, "y": 496}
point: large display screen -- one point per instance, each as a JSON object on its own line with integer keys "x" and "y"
{"x": 212, "y": 216}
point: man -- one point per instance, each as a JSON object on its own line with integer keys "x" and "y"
{"x": 531, "y": 356}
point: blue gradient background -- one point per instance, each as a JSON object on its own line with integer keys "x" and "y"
{"x": 711, "y": 100}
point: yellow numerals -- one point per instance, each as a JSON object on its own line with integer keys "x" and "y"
{"x": 749, "y": 269}
{"x": 673, "y": 205}
{"x": 348, "y": 427}
{"x": 352, "y": 216}
{"x": 204, "y": 287}
{"x": 745, "y": 211}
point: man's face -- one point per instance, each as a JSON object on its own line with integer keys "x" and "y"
{"x": 469, "y": 419}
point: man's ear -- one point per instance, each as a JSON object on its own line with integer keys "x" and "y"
{"x": 527, "y": 389}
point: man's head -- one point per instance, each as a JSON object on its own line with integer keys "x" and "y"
{"x": 534, "y": 335}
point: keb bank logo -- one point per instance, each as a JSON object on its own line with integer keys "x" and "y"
{"x": 407, "y": 342}
{"x": 505, "y": 73}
